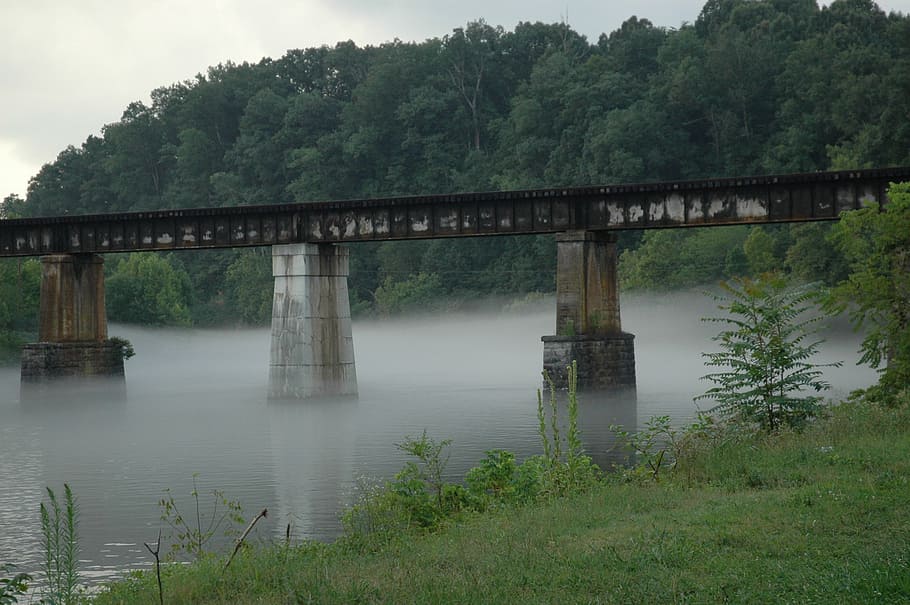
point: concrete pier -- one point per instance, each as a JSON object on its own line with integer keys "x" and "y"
{"x": 312, "y": 353}
{"x": 72, "y": 324}
{"x": 588, "y": 327}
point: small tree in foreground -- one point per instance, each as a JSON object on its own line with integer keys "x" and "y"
{"x": 766, "y": 353}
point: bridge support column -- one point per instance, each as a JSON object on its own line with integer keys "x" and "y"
{"x": 312, "y": 347}
{"x": 588, "y": 326}
{"x": 72, "y": 324}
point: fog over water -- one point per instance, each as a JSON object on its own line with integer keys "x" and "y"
{"x": 196, "y": 403}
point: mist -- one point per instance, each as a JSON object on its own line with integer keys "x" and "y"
{"x": 196, "y": 404}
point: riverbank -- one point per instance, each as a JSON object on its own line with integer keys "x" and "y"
{"x": 817, "y": 517}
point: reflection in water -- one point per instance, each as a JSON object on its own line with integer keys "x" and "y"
{"x": 196, "y": 403}
{"x": 311, "y": 444}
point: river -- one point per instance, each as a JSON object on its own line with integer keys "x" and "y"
{"x": 196, "y": 406}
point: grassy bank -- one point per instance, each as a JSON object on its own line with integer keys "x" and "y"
{"x": 816, "y": 517}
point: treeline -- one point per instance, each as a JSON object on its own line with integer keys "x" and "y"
{"x": 753, "y": 86}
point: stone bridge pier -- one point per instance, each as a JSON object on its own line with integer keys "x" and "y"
{"x": 312, "y": 353}
{"x": 588, "y": 328}
{"x": 72, "y": 324}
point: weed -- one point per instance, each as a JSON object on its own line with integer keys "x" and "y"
{"x": 193, "y": 536}
{"x": 569, "y": 471}
{"x": 59, "y": 530}
{"x": 13, "y": 586}
{"x": 654, "y": 447}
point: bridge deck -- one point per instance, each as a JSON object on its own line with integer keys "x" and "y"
{"x": 744, "y": 200}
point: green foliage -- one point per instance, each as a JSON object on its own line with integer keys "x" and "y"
{"x": 812, "y": 257}
{"x": 192, "y": 535}
{"x": 677, "y": 258}
{"x": 211, "y": 303}
{"x": 653, "y": 447}
{"x": 250, "y": 287}
{"x": 660, "y": 448}
{"x": 146, "y": 288}
{"x": 19, "y": 289}
{"x": 765, "y": 358}
{"x": 60, "y": 541}
{"x": 417, "y": 497}
{"x": 565, "y": 468}
{"x": 493, "y": 478}
{"x": 420, "y": 485}
{"x": 12, "y": 587}
{"x": 415, "y": 292}
{"x": 759, "y": 251}
{"x": 876, "y": 243}
{"x": 126, "y": 347}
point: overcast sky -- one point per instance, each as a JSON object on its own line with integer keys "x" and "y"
{"x": 68, "y": 67}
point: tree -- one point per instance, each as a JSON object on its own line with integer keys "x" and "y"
{"x": 19, "y": 287}
{"x": 759, "y": 250}
{"x": 765, "y": 355}
{"x": 670, "y": 259}
{"x": 146, "y": 289}
{"x": 140, "y": 157}
{"x": 12, "y": 207}
{"x": 876, "y": 244}
{"x": 813, "y": 257}
{"x": 249, "y": 284}
{"x": 257, "y": 155}
{"x": 416, "y": 292}
{"x": 472, "y": 53}
{"x": 198, "y": 157}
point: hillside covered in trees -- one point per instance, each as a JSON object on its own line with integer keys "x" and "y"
{"x": 752, "y": 87}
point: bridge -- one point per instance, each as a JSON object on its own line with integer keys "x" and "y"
{"x": 312, "y": 346}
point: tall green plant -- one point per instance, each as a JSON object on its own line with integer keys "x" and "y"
{"x": 766, "y": 354}
{"x": 59, "y": 529}
{"x": 565, "y": 466}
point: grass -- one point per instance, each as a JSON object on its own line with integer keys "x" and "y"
{"x": 815, "y": 517}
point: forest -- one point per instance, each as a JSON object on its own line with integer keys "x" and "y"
{"x": 751, "y": 87}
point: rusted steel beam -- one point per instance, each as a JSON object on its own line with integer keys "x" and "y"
{"x": 745, "y": 200}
